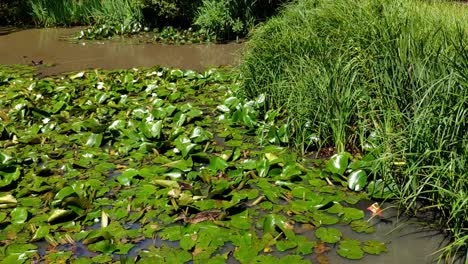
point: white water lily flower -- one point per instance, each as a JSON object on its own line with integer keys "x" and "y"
{"x": 100, "y": 85}
{"x": 19, "y": 106}
{"x": 46, "y": 120}
{"x": 150, "y": 118}
{"x": 31, "y": 86}
{"x": 88, "y": 155}
{"x": 151, "y": 87}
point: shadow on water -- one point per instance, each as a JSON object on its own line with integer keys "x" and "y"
{"x": 8, "y": 30}
{"x": 56, "y": 56}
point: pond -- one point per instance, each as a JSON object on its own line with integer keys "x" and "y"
{"x": 24, "y": 46}
{"x": 163, "y": 164}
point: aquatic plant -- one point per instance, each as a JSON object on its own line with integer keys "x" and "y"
{"x": 385, "y": 77}
{"x": 160, "y": 165}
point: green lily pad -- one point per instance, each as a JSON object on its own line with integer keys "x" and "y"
{"x": 350, "y": 249}
{"x": 357, "y": 180}
{"x": 8, "y": 175}
{"x": 338, "y": 163}
{"x": 328, "y": 235}
{"x": 374, "y": 247}
{"x": 362, "y": 226}
{"x": 350, "y": 214}
{"x": 19, "y": 215}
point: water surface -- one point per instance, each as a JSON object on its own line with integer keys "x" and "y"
{"x": 57, "y": 56}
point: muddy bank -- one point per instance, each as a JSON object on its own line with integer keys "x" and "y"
{"x": 57, "y": 56}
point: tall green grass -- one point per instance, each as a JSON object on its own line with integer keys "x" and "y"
{"x": 84, "y": 12}
{"x": 388, "y": 76}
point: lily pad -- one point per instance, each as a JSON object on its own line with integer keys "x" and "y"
{"x": 328, "y": 235}
{"x": 350, "y": 249}
{"x": 338, "y": 163}
{"x": 374, "y": 247}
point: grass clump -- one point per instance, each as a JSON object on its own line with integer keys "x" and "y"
{"x": 87, "y": 12}
{"x": 384, "y": 76}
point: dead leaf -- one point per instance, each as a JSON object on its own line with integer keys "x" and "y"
{"x": 322, "y": 259}
{"x": 321, "y": 248}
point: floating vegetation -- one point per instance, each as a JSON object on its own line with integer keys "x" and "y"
{"x": 163, "y": 166}
{"x": 105, "y": 31}
{"x": 167, "y": 35}
{"x": 173, "y": 35}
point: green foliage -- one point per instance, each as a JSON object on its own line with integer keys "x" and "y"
{"x": 176, "y": 13}
{"x": 70, "y": 12}
{"x": 14, "y": 12}
{"x": 388, "y": 77}
{"x": 228, "y": 18}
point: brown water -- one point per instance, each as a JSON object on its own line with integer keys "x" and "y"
{"x": 25, "y": 46}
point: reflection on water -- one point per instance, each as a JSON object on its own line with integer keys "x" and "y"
{"x": 58, "y": 56}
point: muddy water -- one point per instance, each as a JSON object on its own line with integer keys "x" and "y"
{"x": 25, "y": 46}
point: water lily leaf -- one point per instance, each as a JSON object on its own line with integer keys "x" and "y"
{"x": 328, "y": 235}
{"x": 357, "y": 180}
{"x": 166, "y": 183}
{"x": 304, "y": 246}
{"x": 104, "y": 246}
{"x": 350, "y": 249}
{"x": 338, "y": 163}
{"x": 217, "y": 164}
{"x": 127, "y": 176}
{"x": 199, "y": 135}
{"x": 180, "y": 119}
{"x": 152, "y": 130}
{"x": 5, "y": 158}
{"x": 284, "y": 245}
{"x": 17, "y": 258}
{"x": 40, "y": 233}
{"x": 350, "y": 214}
{"x": 94, "y": 140}
{"x": 362, "y": 226}
{"x": 263, "y": 167}
{"x": 166, "y": 254}
{"x": 64, "y": 192}
{"x": 7, "y": 201}
{"x": 283, "y": 133}
{"x": 182, "y": 164}
{"x": 19, "y": 215}
{"x": 58, "y": 215}
{"x": 97, "y": 235}
{"x": 194, "y": 113}
{"x": 176, "y": 73}
{"x": 320, "y": 218}
{"x": 290, "y": 171}
{"x": 273, "y": 221}
{"x": 57, "y": 107}
{"x": 374, "y": 247}
{"x": 9, "y": 175}
{"x": 184, "y": 145}
{"x": 242, "y": 220}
